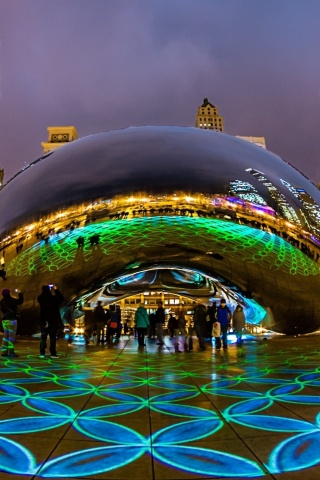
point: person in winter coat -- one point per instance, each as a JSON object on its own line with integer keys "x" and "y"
{"x": 238, "y": 321}
{"x": 160, "y": 319}
{"x": 172, "y": 321}
{"x": 49, "y": 300}
{"x": 9, "y": 310}
{"x": 141, "y": 321}
{"x": 223, "y": 316}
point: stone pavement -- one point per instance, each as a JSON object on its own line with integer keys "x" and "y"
{"x": 124, "y": 413}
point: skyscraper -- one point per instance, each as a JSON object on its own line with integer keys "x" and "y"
{"x": 208, "y": 117}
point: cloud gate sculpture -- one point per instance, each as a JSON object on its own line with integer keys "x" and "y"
{"x": 196, "y": 212}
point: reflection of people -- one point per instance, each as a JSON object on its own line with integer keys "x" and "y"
{"x": 216, "y": 333}
{"x": 238, "y": 322}
{"x": 141, "y": 321}
{"x": 171, "y": 324}
{"x": 152, "y": 330}
{"x": 180, "y": 329}
{"x": 119, "y": 328}
{"x": 223, "y": 316}
{"x": 80, "y": 242}
{"x": 211, "y": 312}
{"x": 200, "y": 324}
{"x": 69, "y": 318}
{"x": 99, "y": 318}
{"x": 94, "y": 239}
{"x": 112, "y": 323}
{"x": 50, "y": 318}
{"x": 88, "y": 326}
{"x": 160, "y": 319}
{"x": 3, "y": 274}
{"x": 9, "y": 309}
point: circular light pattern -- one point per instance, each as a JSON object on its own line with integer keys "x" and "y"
{"x": 185, "y": 392}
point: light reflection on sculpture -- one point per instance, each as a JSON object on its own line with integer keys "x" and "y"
{"x": 183, "y": 198}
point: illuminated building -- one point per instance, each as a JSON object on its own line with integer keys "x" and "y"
{"x": 191, "y": 213}
{"x": 208, "y": 117}
{"x": 59, "y": 136}
{"x": 287, "y": 210}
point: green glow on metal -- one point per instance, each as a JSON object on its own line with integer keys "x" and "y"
{"x": 116, "y": 236}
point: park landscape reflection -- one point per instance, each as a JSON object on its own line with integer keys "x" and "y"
{"x": 100, "y": 410}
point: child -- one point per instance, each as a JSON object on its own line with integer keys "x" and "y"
{"x": 216, "y": 332}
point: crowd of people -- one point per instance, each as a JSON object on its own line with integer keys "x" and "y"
{"x": 105, "y": 324}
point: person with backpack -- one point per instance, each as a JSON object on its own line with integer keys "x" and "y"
{"x": 223, "y": 316}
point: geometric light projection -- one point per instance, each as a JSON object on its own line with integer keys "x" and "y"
{"x": 138, "y": 406}
{"x": 254, "y": 246}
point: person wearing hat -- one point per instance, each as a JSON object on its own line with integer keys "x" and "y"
{"x": 223, "y": 316}
{"x": 9, "y": 310}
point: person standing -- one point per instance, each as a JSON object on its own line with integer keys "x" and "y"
{"x": 112, "y": 324}
{"x": 180, "y": 330}
{"x": 211, "y": 315}
{"x": 9, "y": 310}
{"x": 238, "y": 322}
{"x": 152, "y": 320}
{"x": 99, "y": 318}
{"x": 223, "y": 316}
{"x": 172, "y": 321}
{"x": 141, "y": 321}
{"x": 160, "y": 319}
{"x": 49, "y": 300}
{"x": 200, "y": 324}
{"x": 216, "y": 333}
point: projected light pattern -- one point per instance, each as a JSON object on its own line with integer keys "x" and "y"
{"x": 254, "y": 246}
{"x": 115, "y": 408}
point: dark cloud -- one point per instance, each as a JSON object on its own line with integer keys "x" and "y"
{"x": 109, "y": 64}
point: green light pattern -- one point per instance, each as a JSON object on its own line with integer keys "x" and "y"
{"x": 130, "y": 235}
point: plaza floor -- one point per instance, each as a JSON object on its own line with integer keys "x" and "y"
{"x": 124, "y": 413}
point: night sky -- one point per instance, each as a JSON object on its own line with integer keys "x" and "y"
{"x": 107, "y": 64}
